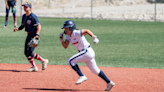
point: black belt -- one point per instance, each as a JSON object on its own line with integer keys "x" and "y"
{"x": 84, "y": 49}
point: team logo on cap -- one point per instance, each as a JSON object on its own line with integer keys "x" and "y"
{"x": 28, "y": 22}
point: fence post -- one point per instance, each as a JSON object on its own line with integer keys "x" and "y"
{"x": 155, "y": 12}
{"x": 48, "y": 4}
{"x": 91, "y": 7}
{"x": 21, "y": 8}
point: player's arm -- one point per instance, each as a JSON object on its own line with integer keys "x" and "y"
{"x": 22, "y": 24}
{"x": 15, "y": 2}
{"x": 6, "y": 4}
{"x": 19, "y": 28}
{"x": 36, "y": 24}
{"x": 38, "y": 30}
{"x": 86, "y": 31}
{"x": 64, "y": 43}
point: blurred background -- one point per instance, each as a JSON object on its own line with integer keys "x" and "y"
{"x": 140, "y": 10}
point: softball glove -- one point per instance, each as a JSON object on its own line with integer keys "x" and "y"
{"x": 34, "y": 42}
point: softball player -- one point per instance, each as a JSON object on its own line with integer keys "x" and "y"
{"x": 11, "y": 3}
{"x": 33, "y": 28}
{"x": 86, "y": 53}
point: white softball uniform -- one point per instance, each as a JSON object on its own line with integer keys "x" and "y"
{"x": 86, "y": 53}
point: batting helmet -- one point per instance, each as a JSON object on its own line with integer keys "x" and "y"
{"x": 70, "y": 24}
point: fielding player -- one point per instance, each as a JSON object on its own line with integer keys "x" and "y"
{"x": 12, "y": 4}
{"x": 86, "y": 53}
{"x": 33, "y": 28}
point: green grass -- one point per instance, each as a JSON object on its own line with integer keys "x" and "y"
{"x": 122, "y": 43}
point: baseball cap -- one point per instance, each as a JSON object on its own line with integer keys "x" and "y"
{"x": 27, "y": 5}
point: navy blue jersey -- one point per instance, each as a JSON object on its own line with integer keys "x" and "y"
{"x": 30, "y": 22}
{"x": 11, "y": 2}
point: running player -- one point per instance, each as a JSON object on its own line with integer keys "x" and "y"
{"x": 12, "y": 4}
{"x": 33, "y": 28}
{"x": 86, "y": 53}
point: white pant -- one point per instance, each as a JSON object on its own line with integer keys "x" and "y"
{"x": 87, "y": 56}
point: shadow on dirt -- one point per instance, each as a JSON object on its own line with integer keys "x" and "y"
{"x": 47, "y": 89}
{"x": 12, "y": 70}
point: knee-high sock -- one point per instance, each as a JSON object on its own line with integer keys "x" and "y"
{"x": 31, "y": 60}
{"x": 103, "y": 76}
{"x": 15, "y": 20}
{"x": 6, "y": 20}
{"x": 38, "y": 57}
{"x": 76, "y": 68}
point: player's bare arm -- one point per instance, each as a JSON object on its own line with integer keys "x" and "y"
{"x": 64, "y": 43}
{"x": 15, "y": 2}
{"x": 86, "y": 31}
{"x": 6, "y": 4}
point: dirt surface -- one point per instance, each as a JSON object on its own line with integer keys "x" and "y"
{"x": 61, "y": 78}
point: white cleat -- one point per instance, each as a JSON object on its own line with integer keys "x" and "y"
{"x": 109, "y": 86}
{"x": 32, "y": 69}
{"x": 5, "y": 27}
{"x": 15, "y": 26}
{"x": 81, "y": 79}
{"x": 44, "y": 64}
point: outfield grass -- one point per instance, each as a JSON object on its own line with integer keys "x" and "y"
{"x": 122, "y": 43}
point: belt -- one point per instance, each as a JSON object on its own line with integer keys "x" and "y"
{"x": 10, "y": 1}
{"x": 84, "y": 49}
{"x": 29, "y": 32}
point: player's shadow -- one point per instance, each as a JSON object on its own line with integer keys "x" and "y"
{"x": 12, "y": 70}
{"x": 47, "y": 89}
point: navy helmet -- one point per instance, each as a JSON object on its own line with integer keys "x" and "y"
{"x": 70, "y": 24}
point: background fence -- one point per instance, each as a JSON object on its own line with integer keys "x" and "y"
{"x": 141, "y": 10}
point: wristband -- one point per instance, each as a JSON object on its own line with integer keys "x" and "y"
{"x": 93, "y": 37}
{"x": 37, "y": 34}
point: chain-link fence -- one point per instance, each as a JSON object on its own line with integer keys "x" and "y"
{"x": 141, "y": 10}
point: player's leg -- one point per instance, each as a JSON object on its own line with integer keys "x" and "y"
{"x": 34, "y": 67}
{"x": 74, "y": 66}
{"x": 38, "y": 57}
{"x": 28, "y": 53}
{"x": 44, "y": 61}
{"x": 79, "y": 57}
{"x": 94, "y": 68}
{"x": 14, "y": 16}
{"x": 6, "y": 18}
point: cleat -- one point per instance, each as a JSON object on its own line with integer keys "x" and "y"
{"x": 15, "y": 26}
{"x": 5, "y": 27}
{"x": 109, "y": 86}
{"x": 32, "y": 69}
{"x": 44, "y": 64}
{"x": 81, "y": 79}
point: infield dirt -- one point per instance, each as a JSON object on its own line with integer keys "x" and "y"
{"x": 61, "y": 78}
